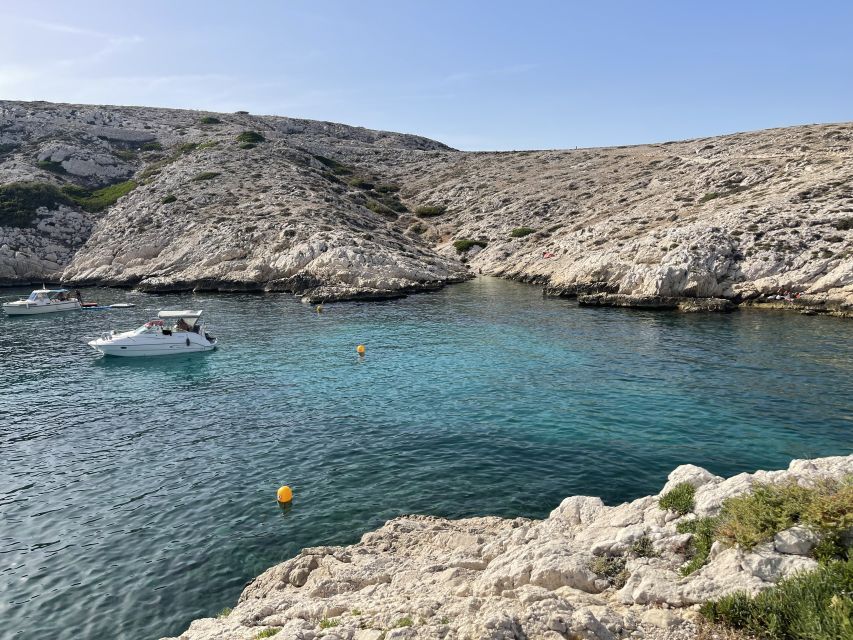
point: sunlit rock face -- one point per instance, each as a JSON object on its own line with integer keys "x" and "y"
{"x": 335, "y": 212}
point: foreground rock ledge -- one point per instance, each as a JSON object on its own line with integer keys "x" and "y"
{"x": 492, "y": 578}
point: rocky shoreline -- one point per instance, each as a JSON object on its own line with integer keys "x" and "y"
{"x": 166, "y": 199}
{"x": 587, "y": 571}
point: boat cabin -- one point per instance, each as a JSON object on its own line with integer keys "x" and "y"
{"x": 42, "y": 296}
{"x": 184, "y": 320}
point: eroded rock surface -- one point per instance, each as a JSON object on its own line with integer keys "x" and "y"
{"x": 491, "y": 578}
{"x": 334, "y": 212}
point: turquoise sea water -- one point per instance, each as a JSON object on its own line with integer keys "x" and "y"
{"x": 137, "y": 495}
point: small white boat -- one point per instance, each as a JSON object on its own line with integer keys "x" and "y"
{"x": 157, "y": 338}
{"x": 42, "y": 301}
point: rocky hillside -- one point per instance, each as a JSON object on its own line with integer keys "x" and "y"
{"x": 167, "y": 199}
{"x": 587, "y": 571}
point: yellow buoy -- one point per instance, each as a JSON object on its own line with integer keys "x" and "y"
{"x": 360, "y": 349}
{"x": 284, "y": 494}
{"x": 319, "y": 308}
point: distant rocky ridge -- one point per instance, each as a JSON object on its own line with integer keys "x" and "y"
{"x": 240, "y": 202}
{"x": 496, "y": 579}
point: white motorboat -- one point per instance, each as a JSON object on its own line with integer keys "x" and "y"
{"x": 43, "y": 301}
{"x": 159, "y": 337}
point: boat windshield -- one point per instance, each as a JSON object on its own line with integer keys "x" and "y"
{"x": 149, "y": 327}
{"x": 37, "y": 295}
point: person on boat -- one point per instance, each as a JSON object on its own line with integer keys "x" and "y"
{"x": 62, "y": 297}
{"x": 78, "y": 296}
{"x": 181, "y": 325}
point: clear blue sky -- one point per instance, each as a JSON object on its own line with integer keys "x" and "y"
{"x": 485, "y": 75}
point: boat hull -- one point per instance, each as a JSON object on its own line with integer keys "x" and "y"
{"x": 17, "y": 309}
{"x": 165, "y": 346}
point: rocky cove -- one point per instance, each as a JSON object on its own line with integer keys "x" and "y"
{"x": 166, "y": 200}
{"x": 587, "y": 571}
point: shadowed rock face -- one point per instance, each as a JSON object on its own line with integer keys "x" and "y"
{"x": 491, "y": 578}
{"x": 334, "y": 212}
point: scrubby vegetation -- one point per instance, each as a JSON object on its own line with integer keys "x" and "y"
{"x": 268, "y": 633}
{"x": 53, "y": 167}
{"x": 520, "y": 232}
{"x": 679, "y": 498}
{"x": 845, "y": 224}
{"x": 169, "y": 198}
{"x": 99, "y": 199}
{"x": 465, "y": 244}
{"x": 360, "y": 183}
{"x": 750, "y": 519}
{"x": 430, "y": 211}
{"x": 19, "y": 201}
{"x": 612, "y": 568}
{"x": 125, "y": 154}
{"x": 152, "y": 146}
{"x": 209, "y": 120}
{"x": 334, "y": 166}
{"x": 205, "y": 175}
{"x": 327, "y": 623}
{"x": 225, "y": 612}
{"x": 404, "y": 622}
{"x": 252, "y": 137}
{"x": 700, "y": 544}
{"x": 814, "y": 605}
{"x": 826, "y": 508}
{"x": 644, "y": 548}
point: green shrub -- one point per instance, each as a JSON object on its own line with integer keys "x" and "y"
{"x": 100, "y": 199}
{"x": 709, "y": 196}
{"x": 360, "y": 183}
{"x": 404, "y": 622}
{"x": 612, "y": 568}
{"x": 378, "y": 207}
{"x": 826, "y": 508}
{"x": 225, "y": 612}
{"x": 53, "y": 167}
{"x": 20, "y": 200}
{"x": 465, "y": 244}
{"x": 205, "y": 175}
{"x": 152, "y": 146}
{"x": 168, "y": 199}
{"x": 387, "y": 188}
{"x": 679, "y": 498}
{"x": 7, "y": 147}
{"x": 520, "y": 232}
{"x": 644, "y": 548}
{"x": 327, "y": 623}
{"x": 430, "y": 211}
{"x": 703, "y": 530}
{"x": 813, "y": 605}
{"x": 845, "y": 224}
{"x": 125, "y": 154}
{"x": 268, "y": 633}
{"x": 250, "y": 136}
{"x": 247, "y": 145}
{"x": 336, "y": 167}
{"x": 209, "y": 120}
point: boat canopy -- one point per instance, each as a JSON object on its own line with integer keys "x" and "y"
{"x": 190, "y": 317}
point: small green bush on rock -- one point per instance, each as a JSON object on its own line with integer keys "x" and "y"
{"x": 250, "y": 136}
{"x": 205, "y": 175}
{"x": 679, "y": 498}
{"x": 328, "y": 623}
{"x": 268, "y": 633}
{"x": 169, "y": 198}
{"x": 404, "y": 622}
{"x": 703, "y": 530}
{"x": 520, "y": 232}
{"x": 813, "y": 605}
{"x": 612, "y": 568}
{"x": 100, "y": 199}
{"x": 20, "y": 200}
{"x": 430, "y": 211}
{"x": 53, "y": 167}
{"x": 465, "y": 244}
{"x": 209, "y": 120}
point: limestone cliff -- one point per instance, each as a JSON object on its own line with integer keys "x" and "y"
{"x": 494, "y": 579}
{"x": 235, "y": 201}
